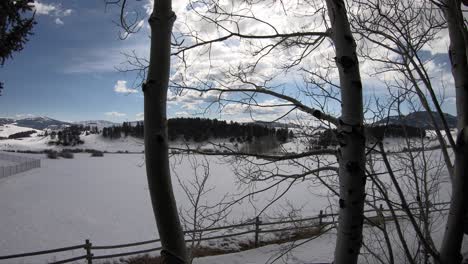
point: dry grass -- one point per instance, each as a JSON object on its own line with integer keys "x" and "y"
{"x": 209, "y": 251}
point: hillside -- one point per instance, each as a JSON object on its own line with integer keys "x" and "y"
{"x": 5, "y": 121}
{"x": 41, "y": 122}
{"x": 419, "y": 119}
{"x": 10, "y": 129}
{"x": 38, "y": 122}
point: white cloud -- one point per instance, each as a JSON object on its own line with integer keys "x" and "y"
{"x": 67, "y": 12}
{"x": 115, "y": 114}
{"x": 44, "y": 9}
{"x": 182, "y": 114}
{"x": 53, "y": 10}
{"x": 121, "y": 87}
{"x": 58, "y": 21}
{"x": 212, "y": 65}
{"x": 140, "y": 116}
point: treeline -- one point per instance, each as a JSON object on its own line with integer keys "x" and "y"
{"x": 328, "y": 137}
{"x": 69, "y": 136}
{"x": 22, "y": 134}
{"x": 202, "y": 129}
{"x": 379, "y": 132}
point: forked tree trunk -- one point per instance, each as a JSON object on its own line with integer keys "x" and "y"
{"x": 156, "y": 140}
{"x": 457, "y": 218}
{"x": 351, "y": 154}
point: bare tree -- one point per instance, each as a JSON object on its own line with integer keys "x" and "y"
{"x": 400, "y": 30}
{"x": 403, "y": 28}
{"x": 156, "y": 139}
{"x": 350, "y": 125}
{"x": 351, "y": 138}
{"x": 458, "y": 215}
{"x": 202, "y": 213}
{"x": 155, "y": 90}
{"x": 244, "y": 81}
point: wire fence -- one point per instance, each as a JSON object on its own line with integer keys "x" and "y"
{"x": 20, "y": 164}
{"x": 255, "y": 227}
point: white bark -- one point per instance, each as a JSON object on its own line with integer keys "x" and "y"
{"x": 351, "y": 138}
{"x": 453, "y": 236}
{"x": 156, "y": 140}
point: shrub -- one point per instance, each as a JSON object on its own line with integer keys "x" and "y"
{"x": 73, "y": 150}
{"x": 67, "y": 154}
{"x": 261, "y": 145}
{"x": 97, "y": 153}
{"x": 52, "y": 154}
{"x": 31, "y": 151}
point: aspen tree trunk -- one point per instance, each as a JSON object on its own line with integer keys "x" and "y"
{"x": 156, "y": 139}
{"x": 351, "y": 155}
{"x": 456, "y": 222}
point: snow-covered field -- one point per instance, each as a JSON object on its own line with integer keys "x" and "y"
{"x": 106, "y": 200}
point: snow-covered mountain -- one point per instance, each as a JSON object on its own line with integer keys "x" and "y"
{"x": 4, "y": 121}
{"x": 419, "y": 119}
{"x": 36, "y": 122}
{"x": 41, "y": 122}
{"x": 44, "y": 122}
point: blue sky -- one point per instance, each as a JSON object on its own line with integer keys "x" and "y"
{"x": 67, "y": 69}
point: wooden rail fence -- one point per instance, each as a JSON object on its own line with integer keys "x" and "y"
{"x": 314, "y": 222}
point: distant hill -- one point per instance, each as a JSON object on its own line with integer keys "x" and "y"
{"x": 41, "y": 122}
{"x": 420, "y": 119}
{"x": 6, "y": 121}
{"x": 100, "y": 124}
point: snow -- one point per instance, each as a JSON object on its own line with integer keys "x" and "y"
{"x": 38, "y": 142}
{"x": 10, "y": 129}
{"x": 92, "y": 141}
{"x": 316, "y": 251}
{"x": 106, "y": 200}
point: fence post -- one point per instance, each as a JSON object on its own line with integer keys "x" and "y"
{"x": 320, "y": 217}
{"x": 89, "y": 256}
{"x": 257, "y": 230}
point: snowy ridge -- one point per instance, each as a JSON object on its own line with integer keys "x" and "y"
{"x": 10, "y": 129}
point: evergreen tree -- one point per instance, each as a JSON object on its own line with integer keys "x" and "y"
{"x": 14, "y": 27}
